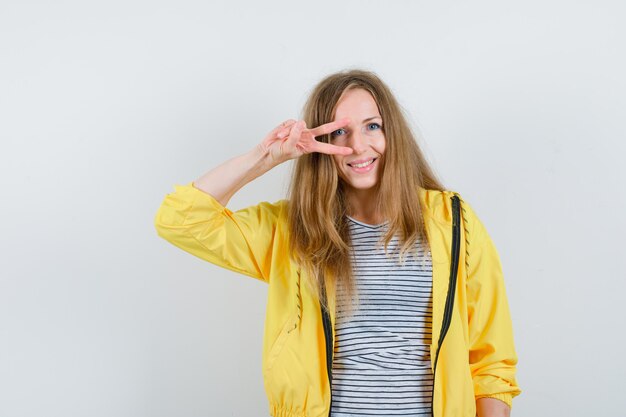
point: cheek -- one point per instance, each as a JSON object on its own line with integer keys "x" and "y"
{"x": 377, "y": 141}
{"x": 380, "y": 147}
{"x": 338, "y": 160}
{"x": 382, "y": 144}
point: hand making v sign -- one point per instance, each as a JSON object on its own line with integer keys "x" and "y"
{"x": 291, "y": 139}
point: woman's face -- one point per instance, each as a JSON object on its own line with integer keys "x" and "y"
{"x": 364, "y": 134}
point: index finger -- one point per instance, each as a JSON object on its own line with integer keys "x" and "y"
{"x": 330, "y": 149}
{"x": 329, "y": 127}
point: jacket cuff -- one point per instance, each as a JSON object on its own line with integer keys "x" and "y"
{"x": 201, "y": 197}
{"x": 201, "y": 201}
{"x": 504, "y": 397}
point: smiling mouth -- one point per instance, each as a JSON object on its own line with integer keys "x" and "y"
{"x": 363, "y": 164}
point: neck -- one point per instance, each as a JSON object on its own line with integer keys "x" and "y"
{"x": 362, "y": 206}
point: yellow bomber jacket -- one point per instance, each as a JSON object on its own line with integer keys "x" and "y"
{"x": 475, "y": 359}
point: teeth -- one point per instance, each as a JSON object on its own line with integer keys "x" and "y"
{"x": 364, "y": 164}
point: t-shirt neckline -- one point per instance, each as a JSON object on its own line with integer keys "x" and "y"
{"x": 371, "y": 226}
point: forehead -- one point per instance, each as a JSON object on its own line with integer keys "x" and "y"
{"x": 356, "y": 102}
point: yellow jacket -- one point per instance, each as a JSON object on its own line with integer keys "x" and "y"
{"x": 476, "y": 358}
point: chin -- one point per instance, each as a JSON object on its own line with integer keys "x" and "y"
{"x": 360, "y": 186}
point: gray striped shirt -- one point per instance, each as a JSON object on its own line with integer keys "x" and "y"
{"x": 381, "y": 364}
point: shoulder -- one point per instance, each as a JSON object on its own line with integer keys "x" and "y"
{"x": 265, "y": 211}
{"x": 276, "y": 208}
{"x": 437, "y": 206}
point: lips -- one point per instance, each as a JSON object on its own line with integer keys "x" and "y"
{"x": 362, "y": 163}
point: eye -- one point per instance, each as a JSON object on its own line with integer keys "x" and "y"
{"x": 373, "y": 126}
{"x": 338, "y": 132}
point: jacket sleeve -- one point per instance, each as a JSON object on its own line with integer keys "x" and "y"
{"x": 492, "y": 354}
{"x": 241, "y": 241}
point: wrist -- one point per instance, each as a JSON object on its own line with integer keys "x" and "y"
{"x": 259, "y": 161}
{"x": 262, "y": 159}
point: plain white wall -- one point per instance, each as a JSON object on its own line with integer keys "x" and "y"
{"x": 104, "y": 106}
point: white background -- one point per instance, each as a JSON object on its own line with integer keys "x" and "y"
{"x": 104, "y": 106}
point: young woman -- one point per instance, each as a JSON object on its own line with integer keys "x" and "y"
{"x": 386, "y": 294}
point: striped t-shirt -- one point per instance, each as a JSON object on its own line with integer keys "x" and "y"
{"x": 381, "y": 364}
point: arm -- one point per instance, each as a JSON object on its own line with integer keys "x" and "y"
{"x": 492, "y": 354}
{"x": 223, "y": 181}
{"x": 242, "y": 241}
{"x": 195, "y": 218}
{"x": 287, "y": 141}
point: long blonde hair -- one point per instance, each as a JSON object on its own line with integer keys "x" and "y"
{"x": 318, "y": 226}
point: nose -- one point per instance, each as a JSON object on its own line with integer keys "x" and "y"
{"x": 358, "y": 143}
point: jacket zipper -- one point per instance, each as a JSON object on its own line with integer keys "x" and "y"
{"x": 454, "y": 267}
{"x": 328, "y": 336}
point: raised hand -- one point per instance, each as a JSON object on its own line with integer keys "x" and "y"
{"x": 291, "y": 139}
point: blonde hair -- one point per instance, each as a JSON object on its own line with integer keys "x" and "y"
{"x": 318, "y": 226}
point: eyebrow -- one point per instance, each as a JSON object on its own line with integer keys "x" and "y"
{"x": 372, "y": 118}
